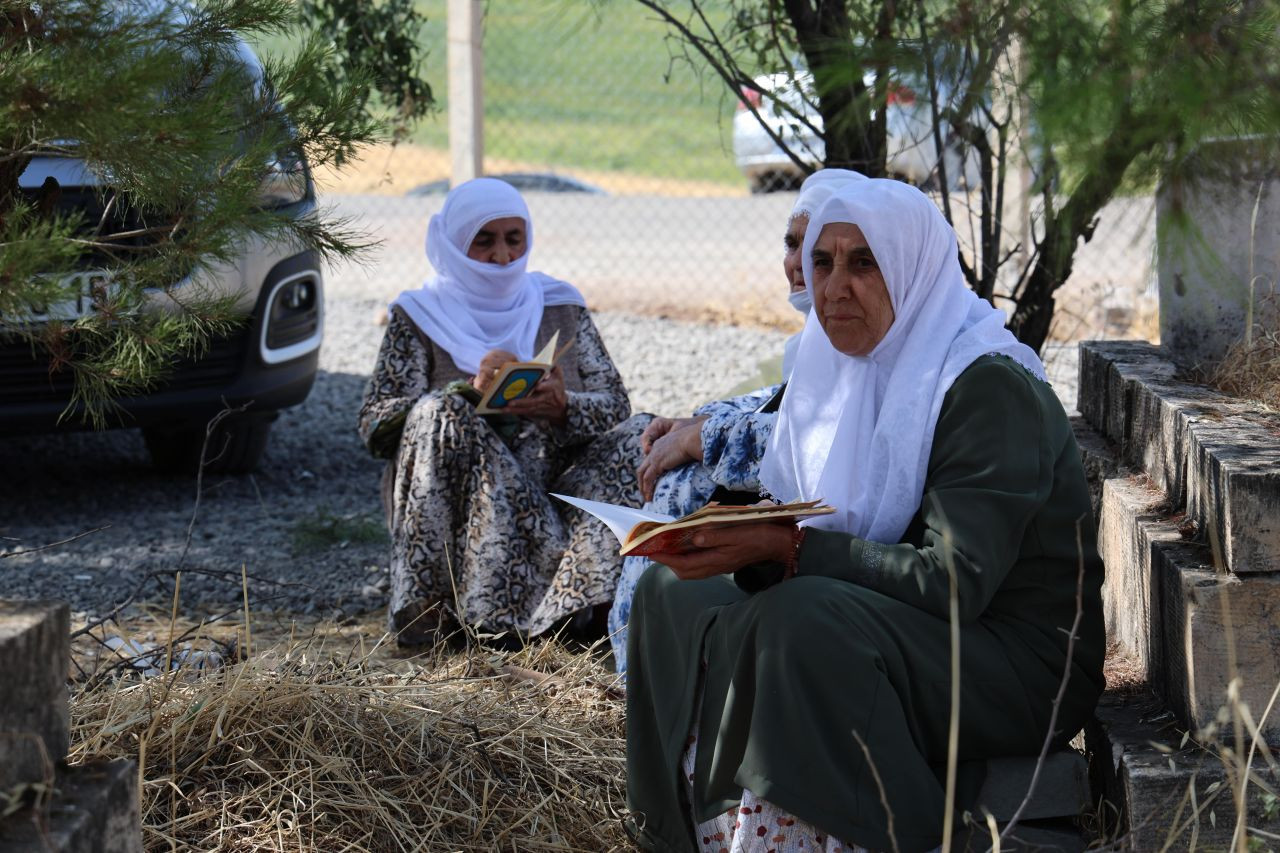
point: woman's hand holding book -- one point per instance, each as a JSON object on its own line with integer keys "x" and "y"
{"x": 547, "y": 401}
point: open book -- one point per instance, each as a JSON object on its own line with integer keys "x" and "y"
{"x": 644, "y": 534}
{"x": 516, "y": 379}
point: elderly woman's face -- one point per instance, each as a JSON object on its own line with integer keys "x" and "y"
{"x": 791, "y": 258}
{"x": 499, "y": 241}
{"x": 849, "y": 293}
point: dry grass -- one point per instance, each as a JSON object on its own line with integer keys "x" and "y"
{"x": 337, "y": 743}
{"x": 1251, "y": 369}
{"x": 395, "y": 169}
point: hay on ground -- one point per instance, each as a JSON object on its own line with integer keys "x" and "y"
{"x": 1251, "y": 369}
{"x": 316, "y": 747}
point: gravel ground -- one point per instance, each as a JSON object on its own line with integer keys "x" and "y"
{"x": 308, "y": 525}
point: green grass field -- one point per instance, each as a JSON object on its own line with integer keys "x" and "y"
{"x": 571, "y": 85}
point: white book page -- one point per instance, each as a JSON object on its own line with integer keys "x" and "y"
{"x": 548, "y": 352}
{"x": 619, "y": 519}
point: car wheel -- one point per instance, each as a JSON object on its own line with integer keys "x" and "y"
{"x": 235, "y": 447}
{"x": 769, "y": 182}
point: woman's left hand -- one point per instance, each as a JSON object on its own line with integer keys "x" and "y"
{"x": 547, "y": 401}
{"x": 722, "y": 550}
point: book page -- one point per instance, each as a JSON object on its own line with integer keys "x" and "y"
{"x": 619, "y": 519}
{"x": 676, "y": 536}
{"x": 547, "y": 354}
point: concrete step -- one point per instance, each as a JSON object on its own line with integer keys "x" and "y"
{"x": 1100, "y": 458}
{"x": 1134, "y": 518}
{"x": 1217, "y": 456}
{"x": 1062, "y": 790}
{"x": 34, "y": 715}
{"x": 1038, "y": 836}
{"x": 1160, "y": 794}
{"x": 1217, "y": 626}
{"x": 1178, "y": 618}
{"x": 95, "y": 811}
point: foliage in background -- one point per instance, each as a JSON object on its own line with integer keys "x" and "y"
{"x": 181, "y": 133}
{"x": 381, "y": 40}
{"x": 612, "y": 100}
{"x": 1057, "y": 103}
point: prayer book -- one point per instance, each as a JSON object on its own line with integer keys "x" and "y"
{"x": 643, "y": 533}
{"x": 516, "y": 379}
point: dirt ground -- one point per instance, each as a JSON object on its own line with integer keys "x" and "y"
{"x": 395, "y": 169}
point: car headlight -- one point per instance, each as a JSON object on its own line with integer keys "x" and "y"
{"x": 286, "y": 181}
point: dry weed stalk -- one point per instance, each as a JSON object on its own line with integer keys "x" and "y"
{"x": 310, "y": 748}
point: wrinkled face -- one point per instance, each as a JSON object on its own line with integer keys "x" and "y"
{"x": 499, "y": 241}
{"x": 849, "y": 293}
{"x": 791, "y": 258}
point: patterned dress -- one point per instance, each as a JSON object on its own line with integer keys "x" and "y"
{"x": 472, "y": 526}
{"x": 734, "y": 437}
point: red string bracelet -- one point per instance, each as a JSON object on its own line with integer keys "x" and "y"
{"x": 797, "y": 539}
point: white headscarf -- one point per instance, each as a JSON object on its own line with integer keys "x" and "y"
{"x": 857, "y": 431}
{"x": 469, "y": 307}
{"x": 819, "y": 186}
{"x": 815, "y": 190}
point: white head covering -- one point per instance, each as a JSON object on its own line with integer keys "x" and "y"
{"x": 470, "y": 307}
{"x": 815, "y": 190}
{"x": 819, "y": 186}
{"x": 857, "y": 431}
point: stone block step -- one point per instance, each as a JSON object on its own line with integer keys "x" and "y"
{"x": 1134, "y": 518}
{"x": 1218, "y": 626}
{"x": 94, "y": 811}
{"x": 1159, "y": 794}
{"x": 34, "y": 715}
{"x": 1217, "y": 456}
{"x": 1062, "y": 790}
{"x": 1181, "y": 620}
{"x": 1100, "y": 459}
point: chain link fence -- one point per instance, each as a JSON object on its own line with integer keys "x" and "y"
{"x": 624, "y": 150}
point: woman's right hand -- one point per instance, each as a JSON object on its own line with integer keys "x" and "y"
{"x": 658, "y": 427}
{"x": 489, "y": 367}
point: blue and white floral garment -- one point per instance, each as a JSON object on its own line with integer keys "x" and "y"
{"x": 734, "y": 437}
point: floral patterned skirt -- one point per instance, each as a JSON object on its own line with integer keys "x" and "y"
{"x": 474, "y": 530}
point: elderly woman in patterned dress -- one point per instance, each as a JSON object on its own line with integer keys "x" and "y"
{"x": 475, "y": 536}
{"x": 717, "y": 452}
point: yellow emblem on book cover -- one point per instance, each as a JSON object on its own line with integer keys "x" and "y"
{"x": 515, "y": 389}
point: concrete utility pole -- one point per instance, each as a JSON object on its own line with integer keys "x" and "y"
{"x": 466, "y": 90}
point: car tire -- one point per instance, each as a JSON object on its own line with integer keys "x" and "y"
{"x": 235, "y": 447}
{"x": 771, "y": 182}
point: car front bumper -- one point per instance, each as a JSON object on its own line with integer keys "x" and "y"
{"x": 237, "y": 371}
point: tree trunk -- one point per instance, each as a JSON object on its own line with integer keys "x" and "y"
{"x": 824, "y": 33}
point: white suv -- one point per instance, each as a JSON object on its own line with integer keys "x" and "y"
{"x": 909, "y": 131}
{"x": 268, "y": 364}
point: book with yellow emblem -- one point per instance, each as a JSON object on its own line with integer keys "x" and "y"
{"x": 516, "y": 379}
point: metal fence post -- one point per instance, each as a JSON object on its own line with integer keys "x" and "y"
{"x": 466, "y": 90}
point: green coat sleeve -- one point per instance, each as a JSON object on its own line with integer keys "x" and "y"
{"x": 989, "y": 473}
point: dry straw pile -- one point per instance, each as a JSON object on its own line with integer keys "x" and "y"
{"x": 1251, "y": 369}
{"x": 302, "y": 748}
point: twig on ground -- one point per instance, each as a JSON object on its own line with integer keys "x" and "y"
{"x": 39, "y": 548}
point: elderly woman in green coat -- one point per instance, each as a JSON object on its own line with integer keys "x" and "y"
{"x": 790, "y": 686}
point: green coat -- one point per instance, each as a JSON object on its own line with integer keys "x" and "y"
{"x": 857, "y": 645}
